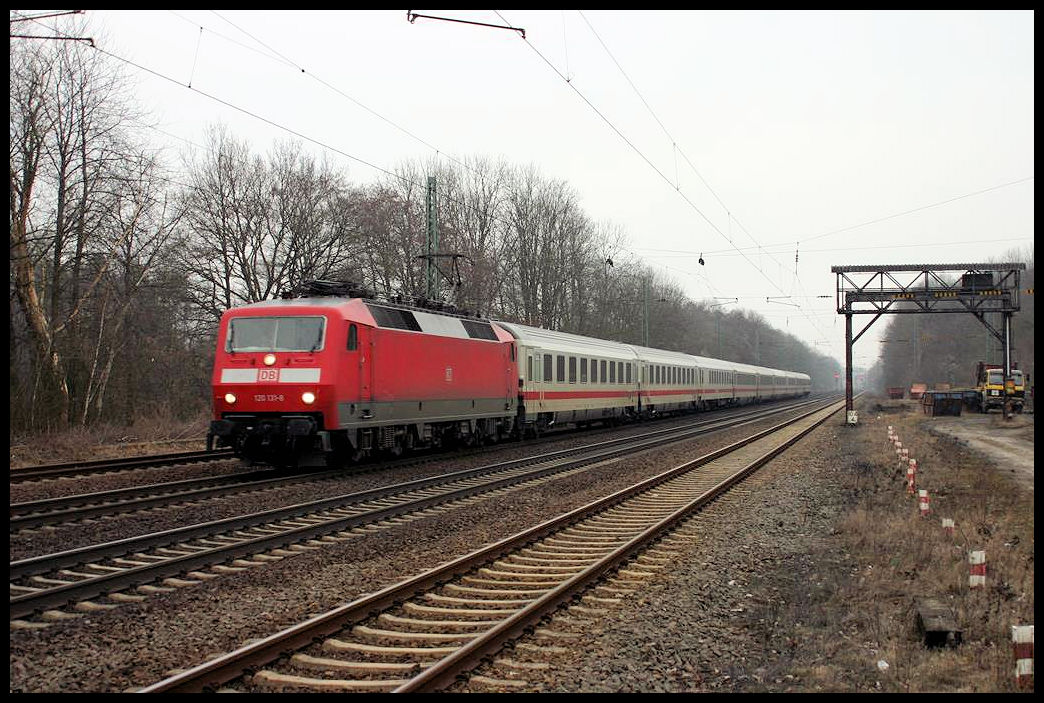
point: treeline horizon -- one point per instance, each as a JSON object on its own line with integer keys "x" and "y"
{"x": 123, "y": 259}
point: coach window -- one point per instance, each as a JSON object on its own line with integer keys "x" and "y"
{"x": 547, "y": 368}
{"x": 353, "y": 337}
{"x": 601, "y": 374}
{"x": 529, "y": 367}
{"x": 572, "y": 369}
{"x": 560, "y": 367}
{"x": 612, "y": 372}
{"x": 583, "y": 371}
{"x": 629, "y": 373}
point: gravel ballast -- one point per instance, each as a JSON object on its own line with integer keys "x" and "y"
{"x": 772, "y": 594}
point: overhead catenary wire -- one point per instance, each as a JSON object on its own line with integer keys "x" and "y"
{"x": 676, "y": 185}
{"x": 330, "y": 147}
{"x": 688, "y": 253}
{"x": 278, "y": 125}
{"x": 642, "y": 155}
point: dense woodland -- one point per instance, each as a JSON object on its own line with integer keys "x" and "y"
{"x": 123, "y": 257}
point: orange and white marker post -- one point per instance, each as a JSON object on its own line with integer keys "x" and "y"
{"x": 947, "y": 523}
{"x": 977, "y": 578}
{"x": 911, "y": 477}
{"x": 1022, "y": 638}
{"x": 922, "y": 496}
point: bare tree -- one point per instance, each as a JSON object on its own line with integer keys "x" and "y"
{"x": 258, "y": 226}
{"x": 74, "y": 169}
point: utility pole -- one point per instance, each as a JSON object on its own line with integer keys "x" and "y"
{"x": 645, "y": 312}
{"x": 432, "y": 241}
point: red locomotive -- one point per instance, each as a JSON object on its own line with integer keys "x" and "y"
{"x": 337, "y": 374}
{"x": 344, "y": 376}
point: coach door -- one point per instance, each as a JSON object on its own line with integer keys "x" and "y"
{"x": 366, "y": 342}
{"x": 642, "y": 370}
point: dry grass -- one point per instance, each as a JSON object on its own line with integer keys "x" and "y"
{"x": 901, "y": 556}
{"x": 156, "y": 434}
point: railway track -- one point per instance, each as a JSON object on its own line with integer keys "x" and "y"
{"x": 423, "y": 633}
{"x": 131, "y": 568}
{"x": 85, "y": 468}
{"x": 73, "y": 508}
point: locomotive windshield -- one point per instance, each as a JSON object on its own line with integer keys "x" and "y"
{"x": 263, "y": 334}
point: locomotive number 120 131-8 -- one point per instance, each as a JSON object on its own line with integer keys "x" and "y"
{"x": 269, "y": 397}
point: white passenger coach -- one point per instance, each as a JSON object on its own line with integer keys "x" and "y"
{"x": 567, "y": 378}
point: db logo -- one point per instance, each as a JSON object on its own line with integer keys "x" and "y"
{"x": 268, "y": 375}
{"x": 449, "y": 373}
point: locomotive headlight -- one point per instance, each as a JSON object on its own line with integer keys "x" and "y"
{"x": 308, "y": 397}
{"x": 230, "y": 398}
{"x": 269, "y": 359}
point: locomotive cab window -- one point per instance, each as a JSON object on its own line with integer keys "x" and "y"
{"x": 263, "y": 334}
{"x": 353, "y": 337}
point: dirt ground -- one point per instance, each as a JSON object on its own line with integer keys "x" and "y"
{"x": 1005, "y": 442}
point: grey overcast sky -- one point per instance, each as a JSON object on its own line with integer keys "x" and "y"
{"x": 713, "y": 133}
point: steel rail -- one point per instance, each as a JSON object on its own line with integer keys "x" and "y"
{"x": 127, "y": 463}
{"x": 242, "y": 545}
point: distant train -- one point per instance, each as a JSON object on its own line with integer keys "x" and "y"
{"x": 343, "y": 377}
